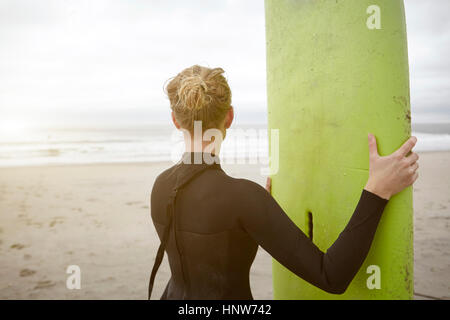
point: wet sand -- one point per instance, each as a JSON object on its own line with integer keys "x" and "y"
{"x": 98, "y": 217}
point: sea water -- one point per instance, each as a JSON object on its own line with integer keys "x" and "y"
{"x": 155, "y": 143}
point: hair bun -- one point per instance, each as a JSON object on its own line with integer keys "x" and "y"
{"x": 192, "y": 92}
{"x": 199, "y": 93}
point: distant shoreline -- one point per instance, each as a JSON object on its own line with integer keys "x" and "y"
{"x": 141, "y": 163}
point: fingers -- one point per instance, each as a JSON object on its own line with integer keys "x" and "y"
{"x": 269, "y": 184}
{"x": 414, "y": 167}
{"x": 414, "y": 177}
{"x": 412, "y": 158}
{"x": 373, "y": 150}
{"x": 414, "y": 174}
{"x": 406, "y": 147}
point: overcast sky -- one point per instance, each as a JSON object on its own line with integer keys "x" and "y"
{"x": 83, "y": 60}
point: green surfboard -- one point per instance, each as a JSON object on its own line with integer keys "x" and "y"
{"x": 336, "y": 70}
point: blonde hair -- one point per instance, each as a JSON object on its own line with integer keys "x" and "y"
{"x": 199, "y": 94}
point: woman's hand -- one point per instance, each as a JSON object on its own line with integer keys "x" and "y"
{"x": 390, "y": 174}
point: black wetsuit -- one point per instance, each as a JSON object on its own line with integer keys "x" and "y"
{"x": 220, "y": 221}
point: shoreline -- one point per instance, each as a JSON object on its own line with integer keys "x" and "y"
{"x": 148, "y": 163}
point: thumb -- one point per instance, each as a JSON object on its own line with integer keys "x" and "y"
{"x": 373, "y": 150}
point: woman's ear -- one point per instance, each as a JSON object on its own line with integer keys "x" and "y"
{"x": 175, "y": 121}
{"x": 229, "y": 118}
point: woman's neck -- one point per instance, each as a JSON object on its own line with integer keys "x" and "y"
{"x": 202, "y": 147}
{"x": 199, "y": 142}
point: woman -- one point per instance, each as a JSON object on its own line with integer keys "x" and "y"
{"x": 211, "y": 224}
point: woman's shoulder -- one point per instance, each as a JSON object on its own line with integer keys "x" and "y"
{"x": 164, "y": 177}
{"x": 245, "y": 186}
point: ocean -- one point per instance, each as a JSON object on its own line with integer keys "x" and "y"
{"x": 155, "y": 143}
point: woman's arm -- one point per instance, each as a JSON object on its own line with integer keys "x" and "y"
{"x": 332, "y": 271}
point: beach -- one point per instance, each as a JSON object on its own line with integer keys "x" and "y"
{"x": 97, "y": 216}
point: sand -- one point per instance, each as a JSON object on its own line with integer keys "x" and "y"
{"x": 98, "y": 217}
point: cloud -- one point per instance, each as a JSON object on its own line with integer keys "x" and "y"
{"x": 109, "y": 55}
{"x": 428, "y": 30}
